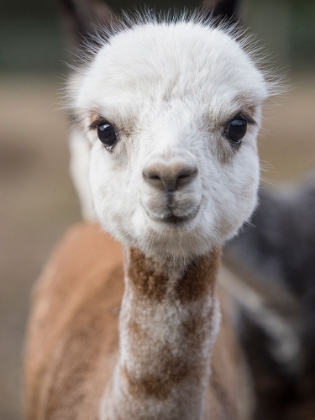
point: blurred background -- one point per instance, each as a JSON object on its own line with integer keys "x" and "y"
{"x": 37, "y": 198}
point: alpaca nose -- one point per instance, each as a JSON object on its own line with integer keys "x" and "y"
{"x": 169, "y": 175}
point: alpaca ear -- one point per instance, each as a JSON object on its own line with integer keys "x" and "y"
{"x": 81, "y": 17}
{"x": 223, "y": 10}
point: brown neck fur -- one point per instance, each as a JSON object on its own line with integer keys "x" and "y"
{"x": 152, "y": 281}
{"x": 167, "y": 327}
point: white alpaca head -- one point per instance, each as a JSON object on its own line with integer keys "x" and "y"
{"x": 173, "y": 181}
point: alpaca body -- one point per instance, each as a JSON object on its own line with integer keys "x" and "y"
{"x": 74, "y": 340}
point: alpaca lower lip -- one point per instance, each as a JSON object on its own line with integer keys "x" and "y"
{"x": 175, "y": 220}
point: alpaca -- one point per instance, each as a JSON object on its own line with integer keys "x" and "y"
{"x": 170, "y": 110}
{"x": 278, "y": 335}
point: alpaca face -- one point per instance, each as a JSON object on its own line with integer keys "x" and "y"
{"x": 172, "y": 113}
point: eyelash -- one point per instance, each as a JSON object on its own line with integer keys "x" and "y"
{"x": 97, "y": 122}
{"x": 246, "y": 117}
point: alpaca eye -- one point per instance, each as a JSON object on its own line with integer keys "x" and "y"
{"x": 236, "y": 130}
{"x": 107, "y": 134}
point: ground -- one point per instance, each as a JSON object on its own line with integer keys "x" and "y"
{"x": 38, "y": 201}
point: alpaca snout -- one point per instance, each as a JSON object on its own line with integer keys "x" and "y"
{"x": 171, "y": 187}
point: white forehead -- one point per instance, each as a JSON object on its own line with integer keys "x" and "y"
{"x": 169, "y": 61}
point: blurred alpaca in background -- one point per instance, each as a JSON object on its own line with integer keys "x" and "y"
{"x": 274, "y": 258}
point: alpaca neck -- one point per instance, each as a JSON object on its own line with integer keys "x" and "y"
{"x": 167, "y": 327}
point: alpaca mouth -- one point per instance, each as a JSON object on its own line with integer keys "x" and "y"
{"x": 176, "y": 220}
{"x": 172, "y": 219}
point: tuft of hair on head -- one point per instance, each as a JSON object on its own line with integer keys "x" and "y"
{"x": 85, "y": 20}
{"x": 91, "y": 23}
{"x": 101, "y": 33}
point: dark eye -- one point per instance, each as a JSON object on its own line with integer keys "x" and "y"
{"x": 236, "y": 130}
{"x": 107, "y": 134}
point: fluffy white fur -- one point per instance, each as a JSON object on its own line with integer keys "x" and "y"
{"x": 170, "y": 89}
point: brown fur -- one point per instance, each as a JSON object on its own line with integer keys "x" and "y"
{"x": 73, "y": 334}
{"x": 152, "y": 284}
{"x": 172, "y": 369}
{"x": 147, "y": 282}
{"x": 76, "y": 288}
{"x": 159, "y": 385}
{"x": 199, "y": 277}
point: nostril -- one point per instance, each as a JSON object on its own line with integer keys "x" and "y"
{"x": 185, "y": 176}
{"x": 150, "y": 175}
{"x": 186, "y": 173}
